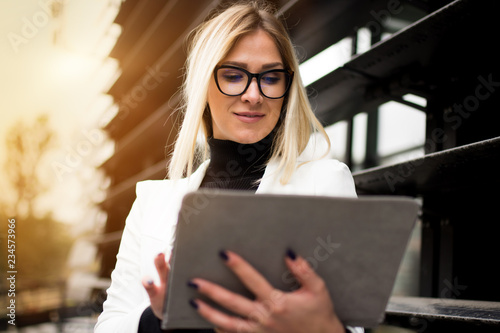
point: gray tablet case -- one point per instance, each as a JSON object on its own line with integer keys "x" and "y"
{"x": 355, "y": 245}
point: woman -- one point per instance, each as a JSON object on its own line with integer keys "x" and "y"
{"x": 243, "y": 92}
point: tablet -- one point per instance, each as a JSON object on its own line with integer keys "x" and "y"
{"x": 355, "y": 244}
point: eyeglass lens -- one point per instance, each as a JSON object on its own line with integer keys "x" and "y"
{"x": 232, "y": 81}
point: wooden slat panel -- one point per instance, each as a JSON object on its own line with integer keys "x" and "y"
{"x": 471, "y": 165}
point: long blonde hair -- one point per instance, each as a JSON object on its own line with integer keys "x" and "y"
{"x": 211, "y": 42}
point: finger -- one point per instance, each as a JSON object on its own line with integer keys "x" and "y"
{"x": 303, "y": 272}
{"x": 162, "y": 267}
{"x": 223, "y": 321}
{"x": 251, "y": 278}
{"x": 156, "y": 296}
{"x": 236, "y": 303}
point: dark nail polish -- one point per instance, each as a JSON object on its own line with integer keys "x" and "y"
{"x": 290, "y": 254}
{"x": 193, "y": 303}
{"x": 192, "y": 285}
{"x": 223, "y": 255}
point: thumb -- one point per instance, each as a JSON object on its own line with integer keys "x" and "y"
{"x": 156, "y": 296}
{"x": 150, "y": 286}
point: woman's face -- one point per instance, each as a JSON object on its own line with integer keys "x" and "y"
{"x": 250, "y": 117}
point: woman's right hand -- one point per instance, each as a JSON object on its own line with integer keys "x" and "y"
{"x": 157, "y": 292}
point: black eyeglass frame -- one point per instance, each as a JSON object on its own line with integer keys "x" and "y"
{"x": 258, "y": 76}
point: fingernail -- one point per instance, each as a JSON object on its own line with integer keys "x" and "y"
{"x": 150, "y": 282}
{"x": 290, "y": 254}
{"x": 159, "y": 254}
{"x": 223, "y": 255}
{"x": 192, "y": 284}
{"x": 193, "y": 303}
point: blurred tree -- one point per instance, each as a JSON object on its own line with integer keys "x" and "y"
{"x": 26, "y": 147}
{"x": 42, "y": 243}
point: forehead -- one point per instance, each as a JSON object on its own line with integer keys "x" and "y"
{"x": 255, "y": 50}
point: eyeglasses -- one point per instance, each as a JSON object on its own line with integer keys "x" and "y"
{"x": 234, "y": 81}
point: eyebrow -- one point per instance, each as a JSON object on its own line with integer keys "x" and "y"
{"x": 244, "y": 65}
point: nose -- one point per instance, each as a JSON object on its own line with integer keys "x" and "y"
{"x": 252, "y": 94}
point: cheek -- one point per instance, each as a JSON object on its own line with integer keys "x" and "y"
{"x": 215, "y": 102}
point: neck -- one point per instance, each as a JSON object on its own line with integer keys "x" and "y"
{"x": 236, "y": 163}
{"x": 229, "y": 154}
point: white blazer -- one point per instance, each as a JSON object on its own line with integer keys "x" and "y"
{"x": 151, "y": 223}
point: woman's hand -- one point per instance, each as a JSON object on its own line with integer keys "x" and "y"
{"x": 157, "y": 293}
{"x": 307, "y": 309}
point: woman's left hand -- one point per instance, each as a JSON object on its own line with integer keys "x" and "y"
{"x": 307, "y": 309}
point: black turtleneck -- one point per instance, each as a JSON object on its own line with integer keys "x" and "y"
{"x": 236, "y": 166}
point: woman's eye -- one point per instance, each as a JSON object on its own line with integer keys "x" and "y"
{"x": 270, "y": 79}
{"x": 232, "y": 77}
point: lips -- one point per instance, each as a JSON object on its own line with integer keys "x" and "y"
{"x": 249, "y": 114}
{"x": 249, "y": 117}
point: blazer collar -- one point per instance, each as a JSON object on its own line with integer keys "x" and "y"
{"x": 196, "y": 178}
{"x": 194, "y": 181}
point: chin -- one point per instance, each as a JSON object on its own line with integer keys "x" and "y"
{"x": 247, "y": 140}
{"x": 250, "y": 138}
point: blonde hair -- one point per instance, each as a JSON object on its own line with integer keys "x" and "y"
{"x": 211, "y": 42}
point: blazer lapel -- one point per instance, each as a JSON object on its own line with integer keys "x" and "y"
{"x": 194, "y": 181}
{"x": 268, "y": 181}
